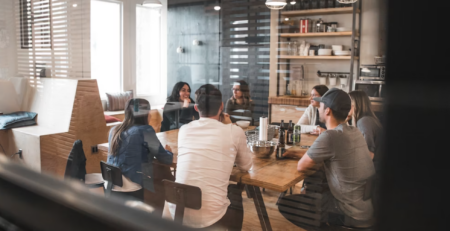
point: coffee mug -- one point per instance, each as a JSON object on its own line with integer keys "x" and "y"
{"x": 311, "y": 52}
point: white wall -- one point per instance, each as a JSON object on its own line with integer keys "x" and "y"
{"x": 8, "y": 57}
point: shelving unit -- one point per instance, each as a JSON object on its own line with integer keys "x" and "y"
{"x": 325, "y": 11}
{"x": 322, "y": 34}
{"x": 317, "y": 57}
{"x": 284, "y": 61}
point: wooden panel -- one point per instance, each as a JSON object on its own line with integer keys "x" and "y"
{"x": 287, "y": 100}
{"x": 340, "y": 10}
{"x": 324, "y": 57}
{"x": 327, "y": 34}
{"x": 286, "y": 113}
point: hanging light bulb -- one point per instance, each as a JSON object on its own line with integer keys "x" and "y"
{"x": 276, "y": 4}
{"x": 293, "y": 2}
{"x": 216, "y": 7}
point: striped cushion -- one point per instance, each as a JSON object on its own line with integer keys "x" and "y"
{"x": 117, "y": 101}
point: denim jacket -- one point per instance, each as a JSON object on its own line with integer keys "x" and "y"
{"x": 138, "y": 146}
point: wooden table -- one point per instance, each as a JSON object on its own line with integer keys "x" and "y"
{"x": 270, "y": 173}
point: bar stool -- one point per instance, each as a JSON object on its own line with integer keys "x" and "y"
{"x": 118, "y": 185}
{"x": 183, "y": 196}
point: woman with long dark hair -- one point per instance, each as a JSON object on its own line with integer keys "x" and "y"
{"x": 179, "y": 108}
{"x": 240, "y": 106}
{"x": 133, "y": 145}
{"x": 311, "y": 114}
{"x": 367, "y": 122}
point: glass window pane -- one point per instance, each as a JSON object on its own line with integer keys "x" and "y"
{"x": 148, "y": 51}
{"x": 106, "y": 45}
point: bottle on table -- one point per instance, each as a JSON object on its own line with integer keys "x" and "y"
{"x": 297, "y": 135}
{"x": 289, "y": 133}
{"x": 281, "y": 147}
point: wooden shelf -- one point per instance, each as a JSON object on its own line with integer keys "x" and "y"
{"x": 317, "y": 57}
{"x": 340, "y": 10}
{"x": 326, "y": 34}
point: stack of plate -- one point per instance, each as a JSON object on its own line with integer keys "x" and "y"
{"x": 324, "y": 52}
{"x": 342, "y": 53}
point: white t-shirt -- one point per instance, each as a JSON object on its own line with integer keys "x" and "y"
{"x": 207, "y": 151}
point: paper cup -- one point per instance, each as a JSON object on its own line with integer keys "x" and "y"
{"x": 343, "y": 81}
{"x": 323, "y": 80}
{"x": 333, "y": 81}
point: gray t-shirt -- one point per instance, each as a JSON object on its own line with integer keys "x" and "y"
{"x": 347, "y": 164}
{"x": 372, "y": 133}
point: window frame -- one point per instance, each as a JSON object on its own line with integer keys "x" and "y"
{"x": 121, "y": 84}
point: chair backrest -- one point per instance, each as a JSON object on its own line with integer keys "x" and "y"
{"x": 111, "y": 173}
{"x": 183, "y": 196}
{"x": 155, "y": 120}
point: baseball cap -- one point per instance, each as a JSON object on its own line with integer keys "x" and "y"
{"x": 336, "y": 99}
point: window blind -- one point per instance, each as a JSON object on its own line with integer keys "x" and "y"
{"x": 245, "y": 49}
{"x": 54, "y": 38}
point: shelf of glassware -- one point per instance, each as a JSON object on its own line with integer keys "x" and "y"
{"x": 323, "y": 57}
{"x": 321, "y": 34}
{"x": 324, "y": 11}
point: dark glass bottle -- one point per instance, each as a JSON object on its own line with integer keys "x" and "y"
{"x": 289, "y": 133}
{"x": 281, "y": 126}
{"x": 281, "y": 147}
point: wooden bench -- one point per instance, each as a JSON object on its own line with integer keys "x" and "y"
{"x": 154, "y": 121}
{"x": 68, "y": 110}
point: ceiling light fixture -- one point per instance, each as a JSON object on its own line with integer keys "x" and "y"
{"x": 347, "y": 1}
{"x": 152, "y": 3}
{"x": 293, "y": 2}
{"x": 276, "y": 4}
{"x": 75, "y": 5}
{"x": 216, "y": 7}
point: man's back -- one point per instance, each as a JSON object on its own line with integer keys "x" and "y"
{"x": 207, "y": 150}
{"x": 347, "y": 164}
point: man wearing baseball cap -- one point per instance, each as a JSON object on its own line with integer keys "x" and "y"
{"x": 342, "y": 153}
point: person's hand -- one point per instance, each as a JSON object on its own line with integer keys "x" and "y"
{"x": 295, "y": 152}
{"x": 187, "y": 101}
{"x": 168, "y": 148}
{"x": 225, "y": 118}
{"x": 318, "y": 130}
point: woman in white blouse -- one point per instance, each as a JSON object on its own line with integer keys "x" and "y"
{"x": 311, "y": 114}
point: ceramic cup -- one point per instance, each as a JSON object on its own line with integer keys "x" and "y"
{"x": 343, "y": 81}
{"x": 311, "y": 52}
{"x": 332, "y": 81}
{"x": 323, "y": 80}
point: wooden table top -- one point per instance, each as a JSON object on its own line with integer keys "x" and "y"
{"x": 270, "y": 173}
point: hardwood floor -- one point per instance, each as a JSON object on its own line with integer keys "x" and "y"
{"x": 278, "y": 222}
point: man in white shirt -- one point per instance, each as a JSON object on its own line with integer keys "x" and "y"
{"x": 207, "y": 151}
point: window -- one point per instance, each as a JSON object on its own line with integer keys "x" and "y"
{"x": 106, "y": 45}
{"x": 148, "y": 51}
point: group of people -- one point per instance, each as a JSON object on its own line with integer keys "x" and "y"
{"x": 348, "y": 155}
{"x": 179, "y": 109}
{"x": 209, "y": 145}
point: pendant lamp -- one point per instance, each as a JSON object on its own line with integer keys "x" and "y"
{"x": 276, "y": 4}
{"x": 152, "y": 3}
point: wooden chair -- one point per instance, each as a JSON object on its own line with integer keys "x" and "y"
{"x": 183, "y": 196}
{"x": 113, "y": 177}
